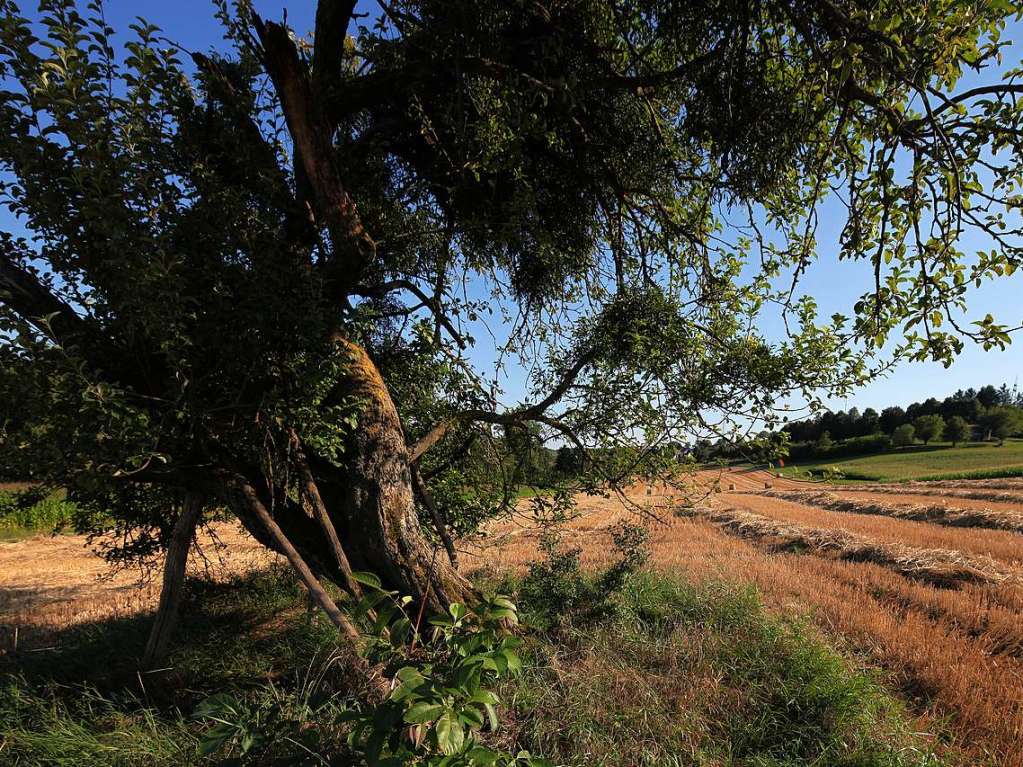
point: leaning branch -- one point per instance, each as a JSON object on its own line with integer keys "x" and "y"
{"x": 172, "y": 590}
{"x": 311, "y": 492}
{"x": 28, "y": 297}
{"x": 251, "y": 499}
{"x": 32, "y": 301}
{"x": 423, "y": 493}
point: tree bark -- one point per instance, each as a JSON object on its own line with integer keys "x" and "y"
{"x": 173, "y": 581}
{"x": 370, "y": 503}
{"x": 374, "y": 506}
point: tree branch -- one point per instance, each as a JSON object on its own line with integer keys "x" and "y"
{"x": 423, "y": 493}
{"x": 354, "y": 248}
{"x": 534, "y": 412}
{"x": 24, "y": 294}
{"x": 332, "y": 17}
{"x": 311, "y": 492}
{"x": 22, "y": 291}
{"x": 248, "y": 495}
{"x": 432, "y": 303}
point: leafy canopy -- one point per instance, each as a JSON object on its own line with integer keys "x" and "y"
{"x": 621, "y": 192}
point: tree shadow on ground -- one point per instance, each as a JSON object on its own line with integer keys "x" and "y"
{"x": 236, "y": 632}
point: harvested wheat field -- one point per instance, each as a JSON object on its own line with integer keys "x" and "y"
{"x": 933, "y": 597}
{"x": 922, "y": 582}
{"x": 37, "y": 599}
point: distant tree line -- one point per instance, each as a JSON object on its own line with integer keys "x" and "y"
{"x": 987, "y": 413}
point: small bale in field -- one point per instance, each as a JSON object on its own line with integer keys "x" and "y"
{"x": 768, "y": 485}
{"x": 731, "y": 486}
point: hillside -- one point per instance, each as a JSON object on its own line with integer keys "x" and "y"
{"x": 935, "y": 461}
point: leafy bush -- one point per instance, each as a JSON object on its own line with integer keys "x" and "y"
{"x": 442, "y": 695}
{"x": 904, "y": 435}
{"x": 866, "y": 445}
{"x": 824, "y": 444}
{"x": 558, "y": 591}
{"x": 35, "y": 508}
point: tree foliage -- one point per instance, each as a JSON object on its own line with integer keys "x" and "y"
{"x": 275, "y": 268}
{"x": 904, "y": 435}
{"x": 1001, "y": 422}
{"x": 957, "y": 430}
{"x": 928, "y": 427}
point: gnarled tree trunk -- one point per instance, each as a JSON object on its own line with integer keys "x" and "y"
{"x": 370, "y": 504}
{"x": 375, "y": 508}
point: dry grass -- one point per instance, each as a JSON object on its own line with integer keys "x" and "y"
{"x": 944, "y": 567}
{"x": 954, "y": 652}
{"x": 997, "y": 544}
{"x": 949, "y": 489}
{"x": 48, "y": 583}
{"x": 1003, "y": 483}
{"x": 940, "y": 514}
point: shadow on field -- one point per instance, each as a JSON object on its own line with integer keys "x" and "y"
{"x": 231, "y": 632}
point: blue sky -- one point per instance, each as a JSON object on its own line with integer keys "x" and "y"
{"x": 835, "y": 285}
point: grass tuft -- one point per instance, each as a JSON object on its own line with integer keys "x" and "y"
{"x": 702, "y": 675}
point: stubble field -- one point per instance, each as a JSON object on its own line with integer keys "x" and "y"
{"x": 922, "y": 582}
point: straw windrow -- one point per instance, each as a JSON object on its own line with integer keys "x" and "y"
{"x": 950, "y": 516}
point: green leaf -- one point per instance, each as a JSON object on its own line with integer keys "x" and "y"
{"x": 491, "y": 715}
{"x": 410, "y": 675}
{"x": 471, "y": 716}
{"x": 367, "y": 579}
{"x": 249, "y": 739}
{"x": 482, "y": 756}
{"x": 424, "y": 711}
{"x": 484, "y": 696}
{"x": 222, "y": 705}
{"x": 450, "y": 734}
{"x": 215, "y": 738}
{"x": 514, "y": 663}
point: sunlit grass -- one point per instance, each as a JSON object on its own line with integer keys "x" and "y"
{"x": 977, "y": 460}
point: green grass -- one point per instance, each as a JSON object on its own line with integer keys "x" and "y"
{"x": 26, "y": 511}
{"x": 686, "y": 674}
{"x": 926, "y": 462}
{"x": 675, "y": 674}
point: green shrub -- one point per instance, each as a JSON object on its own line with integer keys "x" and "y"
{"x": 441, "y": 700}
{"x": 559, "y": 593}
{"x": 904, "y": 435}
{"x": 35, "y": 509}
